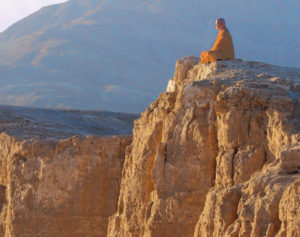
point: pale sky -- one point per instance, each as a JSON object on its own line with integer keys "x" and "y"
{"x": 12, "y": 11}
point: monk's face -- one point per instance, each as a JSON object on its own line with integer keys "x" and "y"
{"x": 220, "y": 25}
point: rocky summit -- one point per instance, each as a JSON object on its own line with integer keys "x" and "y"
{"x": 217, "y": 154}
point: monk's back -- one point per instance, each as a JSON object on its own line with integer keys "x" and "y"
{"x": 224, "y": 43}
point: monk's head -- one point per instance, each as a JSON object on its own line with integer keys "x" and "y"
{"x": 220, "y": 24}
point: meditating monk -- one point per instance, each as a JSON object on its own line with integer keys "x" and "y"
{"x": 223, "y": 47}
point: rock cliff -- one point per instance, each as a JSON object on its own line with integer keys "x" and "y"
{"x": 218, "y": 154}
{"x": 56, "y": 180}
{"x": 59, "y": 188}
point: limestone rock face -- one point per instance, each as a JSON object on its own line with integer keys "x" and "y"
{"x": 216, "y": 155}
{"x": 60, "y": 187}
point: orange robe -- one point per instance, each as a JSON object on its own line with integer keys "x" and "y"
{"x": 222, "y": 49}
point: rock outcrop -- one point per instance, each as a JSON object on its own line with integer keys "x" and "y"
{"x": 218, "y": 154}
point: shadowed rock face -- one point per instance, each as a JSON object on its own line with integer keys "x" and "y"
{"x": 215, "y": 155}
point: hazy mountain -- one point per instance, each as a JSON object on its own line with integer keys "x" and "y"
{"x": 118, "y": 55}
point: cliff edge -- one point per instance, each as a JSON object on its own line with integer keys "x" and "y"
{"x": 218, "y": 154}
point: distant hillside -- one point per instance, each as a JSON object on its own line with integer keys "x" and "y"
{"x": 37, "y": 123}
{"x": 118, "y": 55}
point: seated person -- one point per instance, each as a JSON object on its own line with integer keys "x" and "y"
{"x": 223, "y": 47}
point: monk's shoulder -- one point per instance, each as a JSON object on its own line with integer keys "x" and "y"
{"x": 226, "y": 31}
